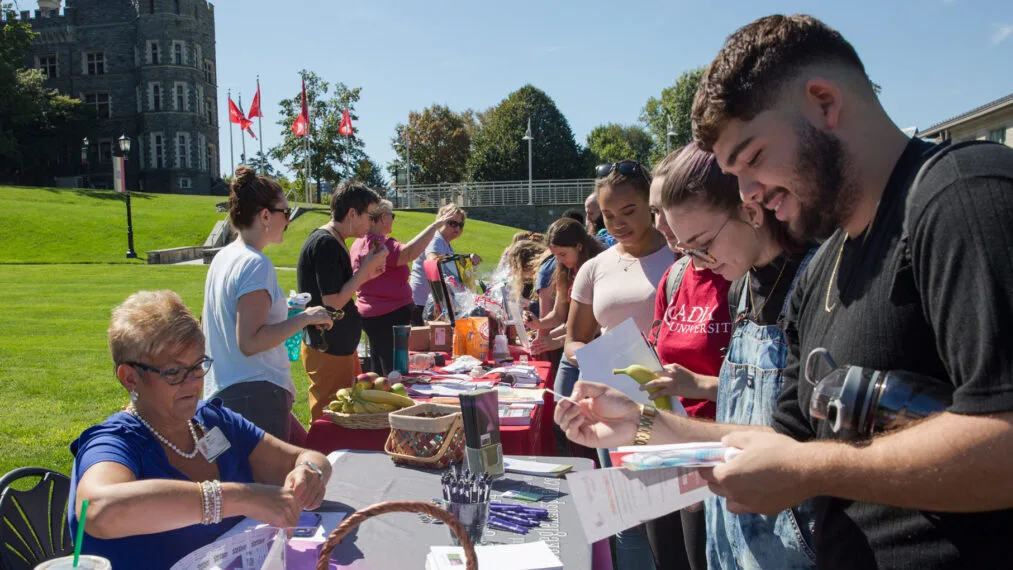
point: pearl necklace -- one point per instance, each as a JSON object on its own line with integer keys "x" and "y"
{"x": 133, "y": 411}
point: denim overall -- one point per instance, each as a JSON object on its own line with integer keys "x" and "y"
{"x": 748, "y": 387}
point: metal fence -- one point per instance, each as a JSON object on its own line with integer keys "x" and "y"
{"x": 514, "y": 193}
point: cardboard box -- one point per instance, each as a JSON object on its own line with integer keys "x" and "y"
{"x": 418, "y": 339}
{"x": 441, "y": 337}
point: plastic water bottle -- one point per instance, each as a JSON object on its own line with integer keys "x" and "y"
{"x": 296, "y": 304}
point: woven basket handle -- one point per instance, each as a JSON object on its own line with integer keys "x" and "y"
{"x": 447, "y": 440}
{"x": 360, "y": 516}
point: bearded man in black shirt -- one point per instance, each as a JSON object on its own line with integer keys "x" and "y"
{"x": 910, "y": 278}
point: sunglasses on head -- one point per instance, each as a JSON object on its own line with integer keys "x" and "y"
{"x": 286, "y": 211}
{"x": 625, "y": 167}
{"x": 456, "y": 224}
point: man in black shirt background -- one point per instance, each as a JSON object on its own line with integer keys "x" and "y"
{"x": 787, "y": 107}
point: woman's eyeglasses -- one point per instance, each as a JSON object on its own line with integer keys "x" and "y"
{"x": 702, "y": 254}
{"x": 455, "y": 224}
{"x": 286, "y": 211}
{"x": 178, "y": 374}
{"x": 625, "y": 167}
{"x": 378, "y": 217}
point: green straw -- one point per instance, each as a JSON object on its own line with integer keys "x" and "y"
{"x": 80, "y": 531}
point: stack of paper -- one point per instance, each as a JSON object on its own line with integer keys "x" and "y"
{"x": 527, "y": 556}
{"x": 515, "y": 414}
{"x": 524, "y": 467}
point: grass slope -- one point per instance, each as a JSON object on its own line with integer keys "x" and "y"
{"x": 56, "y": 376}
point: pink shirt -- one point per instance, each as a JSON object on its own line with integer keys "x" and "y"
{"x": 388, "y": 292}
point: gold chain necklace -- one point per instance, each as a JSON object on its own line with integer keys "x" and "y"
{"x": 830, "y": 284}
{"x": 749, "y": 290}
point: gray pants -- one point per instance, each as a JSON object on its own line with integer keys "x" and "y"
{"x": 266, "y": 405}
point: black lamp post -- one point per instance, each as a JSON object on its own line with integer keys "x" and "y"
{"x": 124, "y": 144}
{"x": 84, "y": 160}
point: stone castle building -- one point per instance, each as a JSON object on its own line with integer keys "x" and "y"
{"x": 148, "y": 69}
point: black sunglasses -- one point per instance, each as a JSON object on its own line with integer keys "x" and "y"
{"x": 286, "y": 211}
{"x": 178, "y": 374}
{"x": 456, "y": 224}
{"x": 625, "y": 167}
{"x": 378, "y": 217}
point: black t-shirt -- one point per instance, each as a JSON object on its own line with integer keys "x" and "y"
{"x": 324, "y": 268}
{"x": 769, "y": 286}
{"x": 944, "y": 310}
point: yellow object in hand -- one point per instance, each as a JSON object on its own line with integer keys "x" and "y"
{"x": 643, "y": 375}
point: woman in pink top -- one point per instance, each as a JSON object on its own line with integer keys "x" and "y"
{"x": 386, "y": 301}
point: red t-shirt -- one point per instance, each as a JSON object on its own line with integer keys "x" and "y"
{"x": 388, "y": 292}
{"x": 695, "y": 328}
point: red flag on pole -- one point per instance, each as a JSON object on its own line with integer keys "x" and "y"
{"x": 244, "y": 123}
{"x": 255, "y": 106}
{"x": 235, "y": 115}
{"x": 301, "y": 126}
{"x": 345, "y": 127}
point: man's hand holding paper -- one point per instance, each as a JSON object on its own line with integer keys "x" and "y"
{"x": 605, "y": 417}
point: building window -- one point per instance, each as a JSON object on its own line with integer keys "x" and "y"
{"x": 211, "y": 111}
{"x": 182, "y": 150}
{"x": 156, "y": 97}
{"x": 176, "y": 6}
{"x": 47, "y": 63}
{"x": 185, "y": 183}
{"x": 153, "y": 53}
{"x": 181, "y": 97}
{"x": 209, "y": 71}
{"x": 95, "y": 63}
{"x": 997, "y": 135}
{"x": 158, "y": 153}
{"x": 105, "y": 151}
{"x": 177, "y": 53}
{"x": 151, "y": 6}
{"x": 100, "y": 101}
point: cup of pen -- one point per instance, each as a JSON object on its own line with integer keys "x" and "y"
{"x": 474, "y": 517}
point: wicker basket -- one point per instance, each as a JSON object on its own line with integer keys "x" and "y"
{"x": 358, "y": 517}
{"x": 361, "y": 421}
{"x": 426, "y": 435}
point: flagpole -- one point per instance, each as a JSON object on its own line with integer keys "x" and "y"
{"x": 232, "y": 152}
{"x": 309, "y": 150}
{"x": 242, "y": 132}
{"x": 260, "y": 132}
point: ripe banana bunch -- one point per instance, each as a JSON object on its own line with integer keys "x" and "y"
{"x": 643, "y": 375}
{"x": 356, "y": 400}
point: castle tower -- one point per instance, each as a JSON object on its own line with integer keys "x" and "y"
{"x": 148, "y": 69}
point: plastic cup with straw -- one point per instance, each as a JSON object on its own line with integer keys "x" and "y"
{"x": 86, "y": 561}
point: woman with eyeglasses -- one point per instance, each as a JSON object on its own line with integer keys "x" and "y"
{"x": 743, "y": 243}
{"x": 618, "y": 284}
{"x": 171, "y": 473}
{"x": 245, "y": 313}
{"x": 386, "y": 301}
{"x": 452, "y": 229}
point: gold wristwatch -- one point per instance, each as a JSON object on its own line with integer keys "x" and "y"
{"x": 645, "y": 425}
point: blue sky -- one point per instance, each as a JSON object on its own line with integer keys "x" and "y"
{"x": 599, "y": 61}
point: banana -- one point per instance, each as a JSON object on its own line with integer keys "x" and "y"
{"x": 335, "y": 406}
{"x": 347, "y": 408}
{"x": 343, "y": 393}
{"x": 358, "y": 408}
{"x": 390, "y": 398}
{"x": 643, "y": 375}
{"x": 375, "y": 408}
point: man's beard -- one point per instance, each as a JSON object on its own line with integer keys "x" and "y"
{"x": 595, "y": 226}
{"x": 826, "y": 195}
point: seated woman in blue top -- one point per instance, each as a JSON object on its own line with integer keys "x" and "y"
{"x": 171, "y": 473}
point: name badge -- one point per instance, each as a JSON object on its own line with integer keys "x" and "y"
{"x": 213, "y": 444}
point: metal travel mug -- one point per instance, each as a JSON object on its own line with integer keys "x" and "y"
{"x": 401, "y": 335}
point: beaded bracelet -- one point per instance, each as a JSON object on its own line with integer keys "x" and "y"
{"x": 211, "y": 502}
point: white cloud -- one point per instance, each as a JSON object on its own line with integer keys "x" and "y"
{"x": 1001, "y": 33}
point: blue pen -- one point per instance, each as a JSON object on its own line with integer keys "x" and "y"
{"x": 518, "y": 513}
{"x": 497, "y": 505}
{"x": 514, "y": 518}
{"x": 505, "y": 525}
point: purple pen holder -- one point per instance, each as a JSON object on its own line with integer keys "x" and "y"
{"x": 474, "y": 517}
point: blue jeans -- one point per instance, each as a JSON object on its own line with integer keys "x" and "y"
{"x": 748, "y": 387}
{"x": 566, "y": 376}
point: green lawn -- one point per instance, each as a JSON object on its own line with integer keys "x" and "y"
{"x": 62, "y": 271}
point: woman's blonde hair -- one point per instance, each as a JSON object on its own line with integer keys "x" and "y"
{"x": 524, "y": 257}
{"x": 150, "y": 325}
{"x": 385, "y": 207}
{"x": 451, "y": 210}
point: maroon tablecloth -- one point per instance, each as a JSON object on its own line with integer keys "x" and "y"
{"x": 533, "y": 439}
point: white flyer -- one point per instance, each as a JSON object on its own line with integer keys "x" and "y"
{"x": 258, "y": 549}
{"x": 620, "y": 347}
{"x": 615, "y": 499}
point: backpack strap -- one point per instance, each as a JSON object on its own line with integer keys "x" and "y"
{"x": 675, "y": 275}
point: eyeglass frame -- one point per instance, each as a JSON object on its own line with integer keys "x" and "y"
{"x": 189, "y": 370}
{"x": 455, "y": 224}
{"x": 603, "y": 170}
{"x": 703, "y": 254}
{"x": 379, "y": 216}
{"x": 286, "y": 211}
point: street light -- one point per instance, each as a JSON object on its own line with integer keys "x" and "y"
{"x": 120, "y": 176}
{"x": 529, "y": 138}
{"x": 668, "y": 136}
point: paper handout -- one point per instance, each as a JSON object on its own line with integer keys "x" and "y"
{"x": 619, "y": 347}
{"x": 615, "y": 499}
